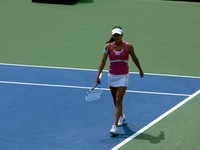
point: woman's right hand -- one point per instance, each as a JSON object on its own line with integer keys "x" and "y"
{"x": 98, "y": 80}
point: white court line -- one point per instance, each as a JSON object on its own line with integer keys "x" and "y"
{"x": 156, "y": 120}
{"x": 83, "y": 87}
{"x": 51, "y": 67}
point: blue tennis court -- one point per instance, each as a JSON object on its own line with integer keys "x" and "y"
{"x": 44, "y": 108}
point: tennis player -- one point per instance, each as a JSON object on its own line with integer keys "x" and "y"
{"x": 118, "y": 52}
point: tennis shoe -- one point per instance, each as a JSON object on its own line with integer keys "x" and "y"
{"x": 114, "y": 130}
{"x": 122, "y": 119}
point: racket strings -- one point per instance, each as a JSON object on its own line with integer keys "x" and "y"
{"x": 94, "y": 94}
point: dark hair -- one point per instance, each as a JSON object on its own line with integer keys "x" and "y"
{"x": 111, "y": 38}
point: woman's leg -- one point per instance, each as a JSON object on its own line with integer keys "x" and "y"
{"x": 118, "y": 95}
{"x": 113, "y": 91}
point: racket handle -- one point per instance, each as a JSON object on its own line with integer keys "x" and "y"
{"x": 94, "y": 86}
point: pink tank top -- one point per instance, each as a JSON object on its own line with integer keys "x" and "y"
{"x": 118, "y": 60}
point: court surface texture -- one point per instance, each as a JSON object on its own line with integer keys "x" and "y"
{"x": 45, "y": 107}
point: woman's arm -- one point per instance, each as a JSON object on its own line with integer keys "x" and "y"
{"x": 130, "y": 50}
{"x": 102, "y": 63}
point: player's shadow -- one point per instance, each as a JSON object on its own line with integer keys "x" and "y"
{"x": 143, "y": 136}
{"x": 152, "y": 139}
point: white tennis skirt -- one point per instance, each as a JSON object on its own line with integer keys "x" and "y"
{"x": 118, "y": 80}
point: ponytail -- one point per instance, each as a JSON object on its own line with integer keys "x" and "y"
{"x": 110, "y": 40}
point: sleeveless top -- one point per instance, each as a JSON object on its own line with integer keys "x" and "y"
{"x": 118, "y": 60}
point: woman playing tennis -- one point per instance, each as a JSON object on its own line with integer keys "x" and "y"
{"x": 118, "y": 52}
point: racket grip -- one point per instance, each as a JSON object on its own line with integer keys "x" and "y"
{"x": 94, "y": 86}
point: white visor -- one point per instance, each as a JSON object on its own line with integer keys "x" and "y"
{"x": 117, "y": 31}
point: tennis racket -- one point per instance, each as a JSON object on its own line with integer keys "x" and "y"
{"x": 95, "y": 92}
